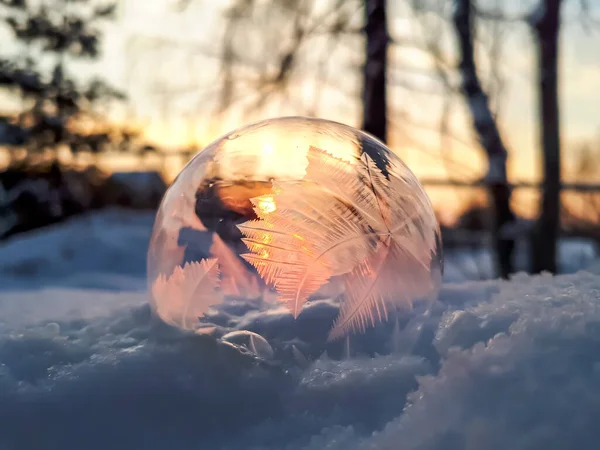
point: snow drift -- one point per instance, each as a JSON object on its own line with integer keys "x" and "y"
{"x": 496, "y": 365}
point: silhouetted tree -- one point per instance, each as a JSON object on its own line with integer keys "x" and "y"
{"x": 489, "y": 137}
{"x": 545, "y": 21}
{"x": 52, "y": 32}
{"x": 375, "y": 70}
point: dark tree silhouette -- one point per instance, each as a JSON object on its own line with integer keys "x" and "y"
{"x": 489, "y": 136}
{"x": 374, "y": 94}
{"x": 51, "y": 102}
{"x": 375, "y": 70}
{"x": 545, "y": 21}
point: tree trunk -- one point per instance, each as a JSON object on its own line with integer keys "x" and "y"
{"x": 374, "y": 84}
{"x": 545, "y": 21}
{"x": 489, "y": 138}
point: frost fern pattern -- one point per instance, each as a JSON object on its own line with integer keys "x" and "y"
{"x": 187, "y": 293}
{"x": 378, "y": 233}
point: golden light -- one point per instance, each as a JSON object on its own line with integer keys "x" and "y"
{"x": 268, "y": 149}
{"x": 267, "y": 204}
{"x": 280, "y": 153}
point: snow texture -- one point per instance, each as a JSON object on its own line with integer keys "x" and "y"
{"x": 495, "y": 365}
{"x": 104, "y": 250}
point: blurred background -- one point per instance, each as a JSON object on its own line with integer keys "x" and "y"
{"x": 493, "y": 104}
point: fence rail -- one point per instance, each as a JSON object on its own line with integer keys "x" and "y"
{"x": 577, "y": 187}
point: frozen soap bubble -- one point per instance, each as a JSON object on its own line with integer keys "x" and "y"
{"x": 287, "y": 211}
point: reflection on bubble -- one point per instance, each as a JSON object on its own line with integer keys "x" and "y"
{"x": 287, "y": 211}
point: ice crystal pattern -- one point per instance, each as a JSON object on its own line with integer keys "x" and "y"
{"x": 191, "y": 289}
{"x": 287, "y": 211}
{"x": 350, "y": 220}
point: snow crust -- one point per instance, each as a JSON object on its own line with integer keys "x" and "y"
{"x": 83, "y": 364}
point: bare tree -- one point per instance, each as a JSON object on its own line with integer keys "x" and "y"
{"x": 284, "y": 60}
{"x": 545, "y": 21}
{"x": 375, "y": 70}
{"x": 272, "y": 71}
{"x": 488, "y": 134}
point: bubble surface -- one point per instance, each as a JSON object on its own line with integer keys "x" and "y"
{"x": 288, "y": 211}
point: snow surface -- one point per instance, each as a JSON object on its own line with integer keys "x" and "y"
{"x": 84, "y": 366}
{"x": 104, "y": 250}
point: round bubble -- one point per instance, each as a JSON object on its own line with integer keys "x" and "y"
{"x": 281, "y": 214}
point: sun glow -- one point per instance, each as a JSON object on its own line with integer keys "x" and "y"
{"x": 268, "y": 149}
{"x": 267, "y": 204}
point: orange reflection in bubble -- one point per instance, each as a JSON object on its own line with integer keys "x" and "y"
{"x": 266, "y": 204}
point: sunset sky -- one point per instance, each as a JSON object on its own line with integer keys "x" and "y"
{"x": 149, "y": 50}
{"x": 165, "y": 60}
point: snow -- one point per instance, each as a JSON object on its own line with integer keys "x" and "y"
{"x": 83, "y": 364}
{"x": 105, "y": 250}
{"x": 574, "y": 254}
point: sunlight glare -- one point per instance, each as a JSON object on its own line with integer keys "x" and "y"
{"x": 267, "y": 204}
{"x": 268, "y": 149}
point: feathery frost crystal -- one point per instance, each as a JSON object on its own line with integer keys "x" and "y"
{"x": 289, "y": 211}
